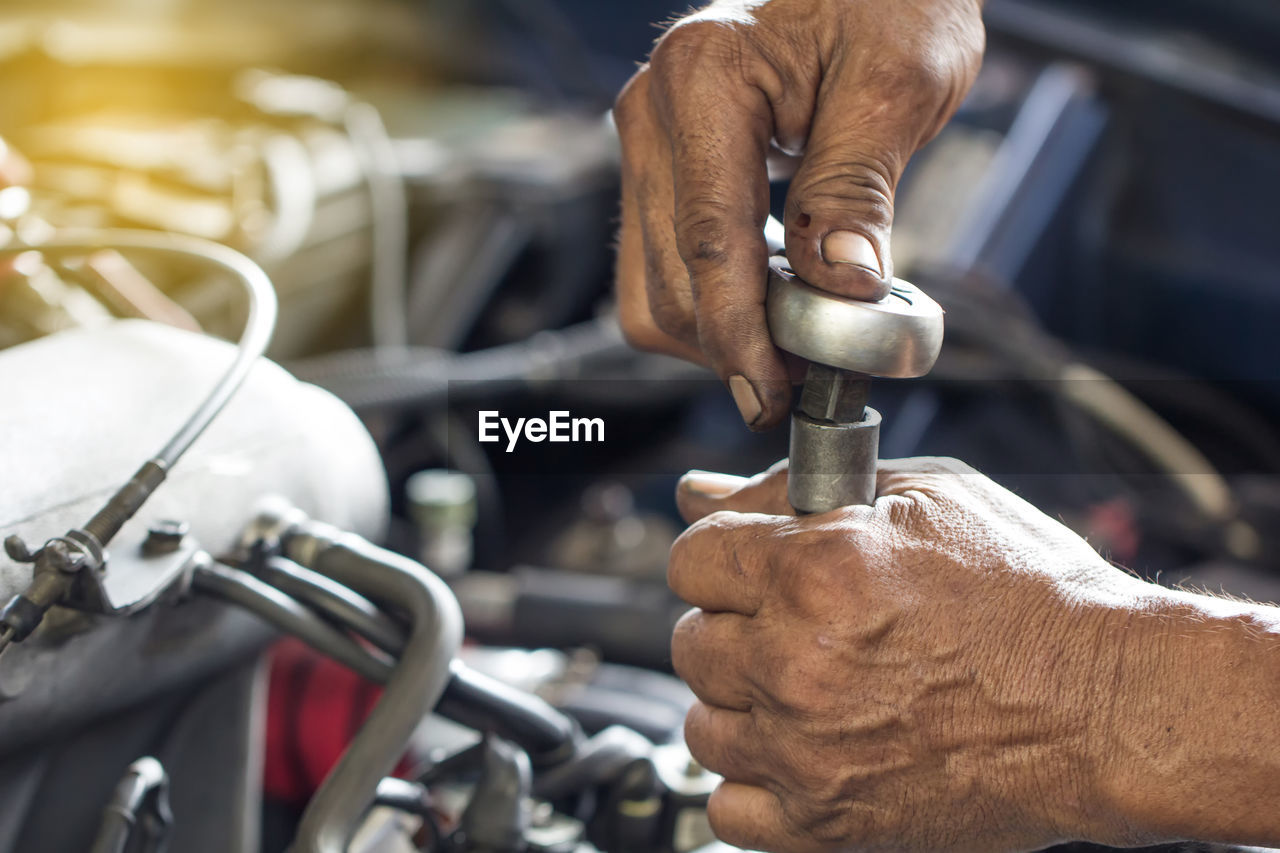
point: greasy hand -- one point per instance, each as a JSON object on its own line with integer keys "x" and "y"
{"x": 927, "y": 674}
{"x": 849, "y": 88}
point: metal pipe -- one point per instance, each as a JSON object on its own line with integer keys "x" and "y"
{"x": 389, "y": 208}
{"x": 145, "y": 782}
{"x": 414, "y": 688}
{"x": 273, "y": 606}
{"x": 337, "y": 602}
{"x": 419, "y": 377}
{"x": 471, "y": 698}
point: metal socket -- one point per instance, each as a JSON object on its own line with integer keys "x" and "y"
{"x": 898, "y": 337}
{"x": 833, "y": 464}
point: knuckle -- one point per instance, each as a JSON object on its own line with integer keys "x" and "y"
{"x": 848, "y": 182}
{"x": 702, "y": 232}
{"x": 702, "y": 538}
{"x": 718, "y": 819}
{"x": 696, "y": 730}
{"x": 902, "y": 513}
{"x": 719, "y": 523}
{"x": 681, "y": 550}
{"x": 685, "y": 643}
{"x": 693, "y": 44}
{"x": 632, "y": 101}
{"x": 796, "y": 694}
{"x": 925, "y": 73}
{"x": 727, "y": 827}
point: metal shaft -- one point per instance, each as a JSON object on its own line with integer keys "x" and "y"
{"x": 835, "y": 441}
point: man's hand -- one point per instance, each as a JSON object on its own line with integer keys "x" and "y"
{"x": 952, "y": 670}
{"x": 848, "y": 88}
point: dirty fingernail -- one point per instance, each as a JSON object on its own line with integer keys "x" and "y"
{"x": 849, "y": 247}
{"x": 745, "y": 396}
{"x": 709, "y": 484}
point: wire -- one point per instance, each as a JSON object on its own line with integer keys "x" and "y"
{"x": 1111, "y": 405}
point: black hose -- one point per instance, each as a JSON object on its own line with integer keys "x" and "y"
{"x": 405, "y": 796}
{"x": 470, "y": 698}
{"x": 479, "y": 702}
{"x": 598, "y": 760}
{"x": 335, "y": 601}
{"x": 283, "y": 612}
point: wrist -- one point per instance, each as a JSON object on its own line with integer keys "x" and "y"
{"x": 1188, "y": 731}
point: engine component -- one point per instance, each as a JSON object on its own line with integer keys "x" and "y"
{"x": 82, "y": 408}
{"x": 267, "y": 442}
{"x": 443, "y": 507}
{"x": 78, "y": 557}
{"x": 140, "y": 804}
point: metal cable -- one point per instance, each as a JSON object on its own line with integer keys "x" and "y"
{"x": 25, "y": 612}
{"x": 259, "y": 324}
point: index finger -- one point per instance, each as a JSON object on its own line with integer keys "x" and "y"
{"x": 720, "y": 127}
{"x": 722, "y": 563}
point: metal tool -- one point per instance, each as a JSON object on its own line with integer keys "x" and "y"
{"x": 835, "y": 436}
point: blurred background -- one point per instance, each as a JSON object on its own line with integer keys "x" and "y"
{"x": 432, "y": 187}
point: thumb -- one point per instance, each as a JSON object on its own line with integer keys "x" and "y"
{"x": 701, "y": 493}
{"x": 839, "y": 209}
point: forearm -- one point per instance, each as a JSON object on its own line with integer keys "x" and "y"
{"x": 1193, "y": 747}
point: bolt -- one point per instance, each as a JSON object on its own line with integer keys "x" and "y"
{"x": 164, "y": 537}
{"x": 832, "y": 395}
{"x": 542, "y": 814}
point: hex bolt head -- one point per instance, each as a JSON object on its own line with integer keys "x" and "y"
{"x": 164, "y": 537}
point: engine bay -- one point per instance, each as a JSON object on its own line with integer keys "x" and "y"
{"x": 408, "y": 590}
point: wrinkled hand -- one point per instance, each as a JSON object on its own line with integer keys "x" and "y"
{"x": 848, "y": 88}
{"x": 931, "y": 673}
